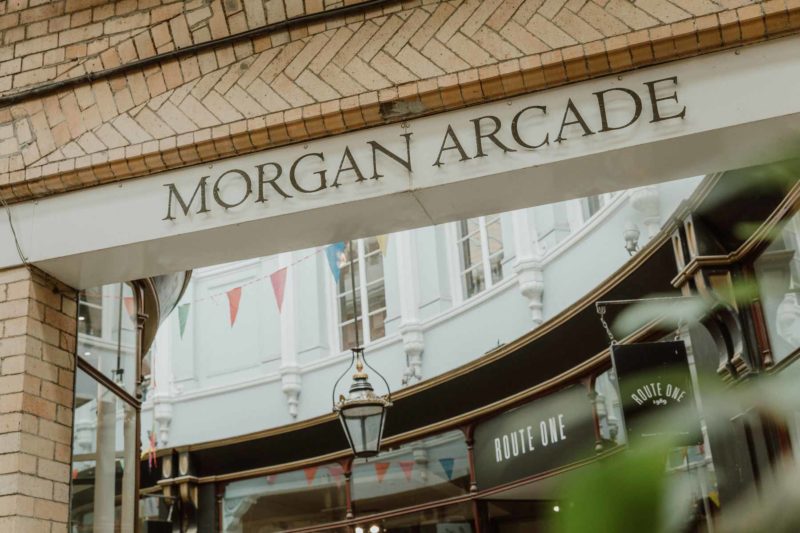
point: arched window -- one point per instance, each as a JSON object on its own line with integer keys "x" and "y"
{"x": 480, "y": 250}
{"x": 370, "y": 294}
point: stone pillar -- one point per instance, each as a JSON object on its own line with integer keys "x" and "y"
{"x": 528, "y": 265}
{"x": 410, "y": 325}
{"x": 38, "y": 327}
{"x": 291, "y": 379}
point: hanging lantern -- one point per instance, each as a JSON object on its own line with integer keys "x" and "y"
{"x": 362, "y": 412}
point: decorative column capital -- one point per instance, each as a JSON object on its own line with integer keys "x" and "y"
{"x": 291, "y": 385}
{"x": 530, "y": 278}
{"x": 413, "y": 346}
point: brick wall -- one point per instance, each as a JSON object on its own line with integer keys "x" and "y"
{"x": 37, "y": 346}
{"x": 56, "y": 39}
{"x": 310, "y": 80}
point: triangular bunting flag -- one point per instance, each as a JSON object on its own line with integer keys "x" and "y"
{"x": 183, "y": 315}
{"x": 380, "y": 470}
{"x": 311, "y": 473}
{"x": 130, "y": 305}
{"x": 383, "y": 243}
{"x": 408, "y": 468}
{"x": 278, "y": 280}
{"x": 234, "y": 297}
{"x": 334, "y": 252}
{"x": 337, "y": 473}
{"x": 447, "y": 465}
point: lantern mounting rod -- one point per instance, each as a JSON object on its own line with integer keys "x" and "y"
{"x": 600, "y": 305}
{"x": 600, "y": 308}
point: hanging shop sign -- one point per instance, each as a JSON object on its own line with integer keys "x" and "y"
{"x": 655, "y": 387}
{"x": 543, "y": 435}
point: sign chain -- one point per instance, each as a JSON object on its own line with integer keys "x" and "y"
{"x": 601, "y": 310}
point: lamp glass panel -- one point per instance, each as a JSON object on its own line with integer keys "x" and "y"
{"x": 363, "y": 425}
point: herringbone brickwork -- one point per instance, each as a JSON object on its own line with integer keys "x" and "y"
{"x": 308, "y": 79}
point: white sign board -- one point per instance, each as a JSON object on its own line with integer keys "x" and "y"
{"x": 705, "y": 114}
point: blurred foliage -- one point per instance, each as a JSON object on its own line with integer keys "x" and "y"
{"x": 634, "y": 491}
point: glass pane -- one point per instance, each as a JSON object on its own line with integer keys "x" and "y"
{"x": 453, "y": 519}
{"x": 590, "y": 206}
{"x": 90, "y": 320}
{"x": 371, "y": 245}
{"x": 376, "y": 296}
{"x": 346, "y": 306}
{"x": 104, "y": 462}
{"x": 374, "y": 267}
{"x": 468, "y": 227}
{"x": 349, "y": 335}
{"x": 496, "y": 264}
{"x": 494, "y": 232}
{"x": 418, "y": 472}
{"x": 471, "y": 252}
{"x": 277, "y": 502}
{"x": 112, "y": 351}
{"x": 778, "y": 276}
{"x": 364, "y": 431}
{"x": 345, "y": 285}
{"x": 92, "y": 297}
{"x": 377, "y": 326}
{"x": 473, "y": 281}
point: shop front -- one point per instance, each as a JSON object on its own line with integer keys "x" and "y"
{"x": 492, "y": 445}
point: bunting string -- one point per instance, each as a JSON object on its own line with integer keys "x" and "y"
{"x": 334, "y": 254}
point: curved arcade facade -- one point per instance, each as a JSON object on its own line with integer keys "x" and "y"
{"x": 209, "y": 204}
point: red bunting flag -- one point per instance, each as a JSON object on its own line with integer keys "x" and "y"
{"x": 311, "y": 473}
{"x": 130, "y": 305}
{"x": 337, "y": 473}
{"x": 380, "y": 470}
{"x": 408, "y": 468}
{"x": 151, "y": 452}
{"x": 234, "y": 297}
{"x": 278, "y": 279}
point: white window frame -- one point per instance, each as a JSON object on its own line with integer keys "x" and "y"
{"x": 104, "y": 313}
{"x": 366, "y": 312}
{"x": 486, "y": 265}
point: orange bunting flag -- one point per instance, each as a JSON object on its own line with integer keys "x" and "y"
{"x": 380, "y": 470}
{"x": 408, "y": 468}
{"x": 311, "y": 473}
{"x": 130, "y": 305}
{"x": 234, "y": 297}
{"x": 278, "y": 280}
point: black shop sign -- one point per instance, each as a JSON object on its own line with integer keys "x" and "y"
{"x": 543, "y": 435}
{"x": 655, "y": 388}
